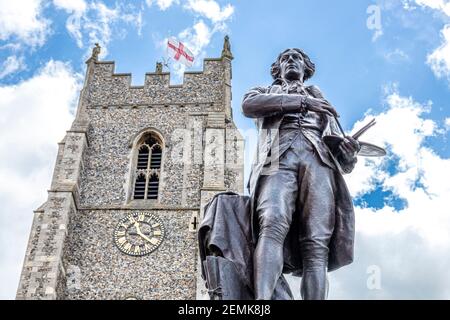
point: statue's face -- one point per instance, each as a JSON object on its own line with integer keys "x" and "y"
{"x": 292, "y": 65}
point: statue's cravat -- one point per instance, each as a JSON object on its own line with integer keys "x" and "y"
{"x": 293, "y": 87}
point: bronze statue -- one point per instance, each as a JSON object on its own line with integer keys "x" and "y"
{"x": 299, "y": 216}
{"x": 305, "y": 193}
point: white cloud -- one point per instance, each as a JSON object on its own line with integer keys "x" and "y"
{"x": 35, "y": 114}
{"x": 75, "y": 6}
{"x": 162, "y": 4}
{"x": 447, "y": 123}
{"x": 99, "y": 29}
{"x": 442, "y": 5}
{"x": 403, "y": 129}
{"x": 439, "y": 59}
{"x": 409, "y": 245}
{"x": 392, "y": 239}
{"x": 139, "y": 23}
{"x": 24, "y": 21}
{"x": 196, "y": 38}
{"x": 211, "y": 9}
{"x": 11, "y": 65}
{"x": 94, "y": 22}
{"x": 11, "y": 46}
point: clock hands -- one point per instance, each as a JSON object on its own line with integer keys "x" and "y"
{"x": 134, "y": 227}
{"x": 138, "y": 230}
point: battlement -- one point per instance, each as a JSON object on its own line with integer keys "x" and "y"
{"x": 106, "y": 69}
{"x": 109, "y": 88}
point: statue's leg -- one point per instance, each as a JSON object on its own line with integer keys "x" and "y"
{"x": 314, "y": 279}
{"x": 317, "y": 203}
{"x": 275, "y": 204}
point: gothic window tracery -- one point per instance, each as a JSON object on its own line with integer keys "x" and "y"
{"x": 148, "y": 168}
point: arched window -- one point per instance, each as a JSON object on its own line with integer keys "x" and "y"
{"x": 148, "y": 167}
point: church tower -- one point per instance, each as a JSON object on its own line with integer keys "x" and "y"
{"x": 132, "y": 176}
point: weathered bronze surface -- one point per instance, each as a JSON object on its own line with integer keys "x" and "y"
{"x": 299, "y": 216}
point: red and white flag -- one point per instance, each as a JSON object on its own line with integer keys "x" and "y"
{"x": 179, "y": 52}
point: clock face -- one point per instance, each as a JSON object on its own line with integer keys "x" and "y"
{"x": 138, "y": 234}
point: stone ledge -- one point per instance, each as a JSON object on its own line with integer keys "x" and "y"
{"x": 213, "y": 188}
{"x": 138, "y": 207}
{"x": 157, "y": 105}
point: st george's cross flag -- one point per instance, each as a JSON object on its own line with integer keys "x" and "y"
{"x": 178, "y": 51}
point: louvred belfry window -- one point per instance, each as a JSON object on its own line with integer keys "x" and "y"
{"x": 148, "y": 169}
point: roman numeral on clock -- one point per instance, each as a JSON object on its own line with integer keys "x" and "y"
{"x": 138, "y": 233}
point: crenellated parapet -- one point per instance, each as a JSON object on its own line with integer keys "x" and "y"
{"x": 107, "y": 88}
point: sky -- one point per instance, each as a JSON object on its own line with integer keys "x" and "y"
{"x": 382, "y": 59}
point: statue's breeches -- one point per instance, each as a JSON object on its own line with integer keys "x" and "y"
{"x": 303, "y": 186}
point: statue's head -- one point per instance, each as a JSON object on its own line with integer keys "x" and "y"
{"x": 292, "y": 64}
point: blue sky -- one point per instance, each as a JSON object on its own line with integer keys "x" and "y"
{"x": 388, "y": 59}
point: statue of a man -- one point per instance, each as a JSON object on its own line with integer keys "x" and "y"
{"x": 302, "y": 212}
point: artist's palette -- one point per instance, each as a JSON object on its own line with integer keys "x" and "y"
{"x": 367, "y": 149}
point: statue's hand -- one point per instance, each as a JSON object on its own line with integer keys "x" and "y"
{"x": 319, "y": 105}
{"x": 348, "y": 148}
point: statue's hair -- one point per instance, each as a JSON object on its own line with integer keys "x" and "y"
{"x": 310, "y": 67}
